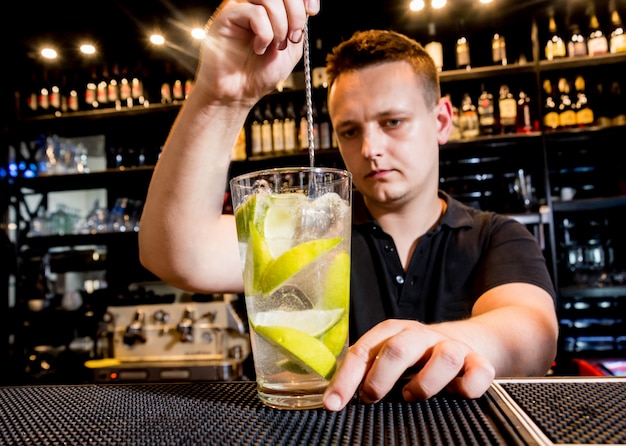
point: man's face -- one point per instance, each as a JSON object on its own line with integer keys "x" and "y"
{"x": 388, "y": 136}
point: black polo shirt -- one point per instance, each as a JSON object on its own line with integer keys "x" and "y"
{"x": 468, "y": 252}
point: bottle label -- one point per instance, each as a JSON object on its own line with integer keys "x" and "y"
{"x": 598, "y": 45}
{"x": 618, "y": 43}
{"x": 584, "y": 116}
{"x": 435, "y": 50}
{"x": 508, "y": 111}
{"x": 266, "y": 137}
{"x": 567, "y": 118}
{"x": 551, "y": 120}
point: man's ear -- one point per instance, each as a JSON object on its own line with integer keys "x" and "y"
{"x": 443, "y": 111}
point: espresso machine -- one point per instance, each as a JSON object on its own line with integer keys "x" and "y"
{"x": 172, "y": 341}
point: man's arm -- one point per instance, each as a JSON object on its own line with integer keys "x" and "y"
{"x": 248, "y": 49}
{"x": 512, "y": 332}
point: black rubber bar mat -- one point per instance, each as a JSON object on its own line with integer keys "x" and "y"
{"x": 229, "y": 413}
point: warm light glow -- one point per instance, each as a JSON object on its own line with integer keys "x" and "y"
{"x": 416, "y": 5}
{"x": 49, "y": 53}
{"x": 157, "y": 39}
{"x": 486, "y": 1}
{"x": 198, "y": 33}
{"x": 87, "y": 48}
{"x": 438, "y": 4}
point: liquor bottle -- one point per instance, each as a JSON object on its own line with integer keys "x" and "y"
{"x": 602, "y": 103}
{"x": 256, "y": 144}
{"x": 303, "y": 129}
{"x": 498, "y": 49}
{"x": 463, "y": 60}
{"x": 291, "y": 135}
{"x": 178, "y": 91}
{"x": 596, "y": 42}
{"x": 91, "y": 91}
{"x": 434, "y": 48}
{"x": 486, "y": 113}
{"x": 102, "y": 89}
{"x": 555, "y": 47}
{"x": 550, "y": 110}
{"x": 468, "y": 118}
{"x": 618, "y": 104}
{"x": 113, "y": 88}
{"x": 524, "y": 113}
{"x": 567, "y": 114}
{"x": 507, "y": 106}
{"x": 55, "y": 93}
{"x": 43, "y": 95}
{"x": 577, "y": 45}
{"x": 584, "y": 113}
{"x": 325, "y": 127}
{"x": 278, "y": 129}
{"x": 617, "y": 38}
{"x": 126, "y": 97}
{"x": 267, "y": 144}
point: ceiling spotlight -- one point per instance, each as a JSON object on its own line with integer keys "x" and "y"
{"x": 198, "y": 33}
{"x": 417, "y": 5}
{"x": 49, "y": 53}
{"x": 157, "y": 39}
{"x": 87, "y": 48}
{"x": 438, "y": 4}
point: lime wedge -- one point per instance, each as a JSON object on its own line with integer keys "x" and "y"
{"x": 293, "y": 260}
{"x": 258, "y": 259}
{"x": 337, "y": 287}
{"x": 251, "y": 212}
{"x": 304, "y": 349}
{"x": 312, "y": 322}
{"x": 335, "y": 337}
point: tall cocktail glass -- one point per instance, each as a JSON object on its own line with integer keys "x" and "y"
{"x": 294, "y": 227}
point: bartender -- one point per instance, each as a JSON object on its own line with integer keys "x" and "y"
{"x": 454, "y": 295}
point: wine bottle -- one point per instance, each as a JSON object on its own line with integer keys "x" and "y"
{"x": 524, "y": 113}
{"x": 498, "y": 49}
{"x": 596, "y": 42}
{"x": 463, "y": 60}
{"x": 618, "y": 104}
{"x": 550, "y": 110}
{"x": 468, "y": 118}
{"x": 567, "y": 114}
{"x": 434, "y": 48}
{"x": 325, "y": 127}
{"x": 266, "y": 130}
{"x": 555, "y": 47}
{"x": 291, "y": 136}
{"x": 278, "y": 129}
{"x": 584, "y": 113}
{"x": 255, "y": 132}
{"x": 577, "y": 45}
{"x": 617, "y": 38}
{"x": 486, "y": 112}
{"x": 507, "y": 106}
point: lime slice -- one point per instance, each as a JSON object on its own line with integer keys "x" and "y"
{"x": 258, "y": 259}
{"x": 251, "y": 212}
{"x": 335, "y": 337}
{"x": 312, "y": 322}
{"x": 304, "y": 349}
{"x": 293, "y": 260}
{"x": 281, "y": 221}
{"x": 337, "y": 287}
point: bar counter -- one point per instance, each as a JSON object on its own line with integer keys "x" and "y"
{"x": 590, "y": 410}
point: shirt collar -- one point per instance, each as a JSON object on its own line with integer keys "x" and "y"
{"x": 457, "y": 214}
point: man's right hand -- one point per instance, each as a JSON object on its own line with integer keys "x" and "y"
{"x": 250, "y": 47}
